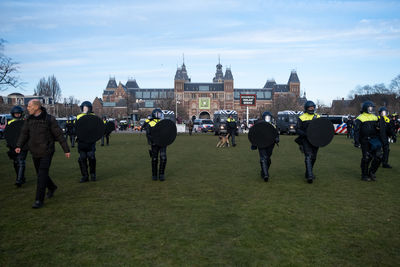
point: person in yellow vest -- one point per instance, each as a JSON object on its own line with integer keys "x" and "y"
{"x": 231, "y": 128}
{"x": 367, "y": 135}
{"x": 156, "y": 116}
{"x": 310, "y": 151}
{"x": 86, "y": 150}
{"x": 106, "y": 135}
{"x": 70, "y": 130}
{"x": 19, "y": 160}
{"x": 387, "y": 131}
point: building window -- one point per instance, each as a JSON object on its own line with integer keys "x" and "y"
{"x": 221, "y": 96}
{"x": 163, "y": 94}
{"x": 214, "y": 96}
{"x": 204, "y": 88}
{"x": 146, "y": 94}
{"x": 170, "y": 94}
{"x": 260, "y": 95}
{"x": 267, "y": 94}
{"x": 154, "y": 95}
{"x": 203, "y": 95}
{"x": 237, "y": 94}
{"x": 228, "y": 96}
{"x": 149, "y": 104}
{"x": 193, "y": 96}
{"x": 139, "y": 94}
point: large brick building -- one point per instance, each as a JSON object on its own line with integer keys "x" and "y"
{"x": 201, "y": 99}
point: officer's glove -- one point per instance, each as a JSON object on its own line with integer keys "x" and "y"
{"x": 277, "y": 140}
{"x": 253, "y": 147}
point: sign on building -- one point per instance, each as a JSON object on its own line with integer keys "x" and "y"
{"x": 204, "y": 103}
{"x": 247, "y": 99}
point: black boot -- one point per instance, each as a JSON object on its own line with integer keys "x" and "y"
{"x": 309, "y": 167}
{"x": 92, "y": 166}
{"x": 364, "y": 170}
{"x": 38, "y": 204}
{"x": 163, "y": 164}
{"x": 16, "y": 168}
{"x": 264, "y": 170}
{"x": 84, "y": 171}
{"x": 21, "y": 171}
{"x": 374, "y": 167}
{"x": 154, "y": 165}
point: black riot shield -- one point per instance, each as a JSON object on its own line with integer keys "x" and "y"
{"x": 164, "y": 133}
{"x": 109, "y": 128}
{"x": 262, "y": 134}
{"x": 12, "y": 131}
{"x": 320, "y": 132}
{"x": 89, "y": 128}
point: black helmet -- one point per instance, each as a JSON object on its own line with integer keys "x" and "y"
{"x": 87, "y": 104}
{"x": 267, "y": 116}
{"x": 157, "y": 114}
{"x": 307, "y": 105}
{"x": 383, "y": 111}
{"x": 16, "y": 109}
{"x": 367, "y": 107}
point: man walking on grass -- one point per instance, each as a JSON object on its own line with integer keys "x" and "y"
{"x": 40, "y": 131}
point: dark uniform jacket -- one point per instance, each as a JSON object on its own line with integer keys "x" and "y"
{"x": 40, "y": 133}
{"x": 25, "y": 147}
{"x": 147, "y": 126}
{"x": 302, "y": 124}
{"x": 366, "y": 127}
{"x": 386, "y": 127}
{"x": 231, "y": 125}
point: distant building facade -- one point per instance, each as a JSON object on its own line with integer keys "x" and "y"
{"x": 200, "y": 99}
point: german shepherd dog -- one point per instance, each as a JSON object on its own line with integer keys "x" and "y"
{"x": 223, "y": 140}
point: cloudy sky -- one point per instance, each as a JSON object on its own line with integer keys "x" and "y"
{"x": 333, "y": 45}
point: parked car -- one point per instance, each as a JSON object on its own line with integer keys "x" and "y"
{"x": 207, "y": 126}
{"x": 203, "y": 125}
{"x": 4, "y": 118}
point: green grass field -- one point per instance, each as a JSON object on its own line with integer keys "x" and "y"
{"x": 213, "y": 209}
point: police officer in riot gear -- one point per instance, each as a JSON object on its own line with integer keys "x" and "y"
{"x": 70, "y": 130}
{"x": 86, "y": 150}
{"x": 106, "y": 134}
{"x": 265, "y": 153}
{"x": 310, "y": 151}
{"x": 386, "y": 132}
{"x": 156, "y": 116}
{"x": 367, "y": 135}
{"x": 19, "y": 160}
{"x": 231, "y": 128}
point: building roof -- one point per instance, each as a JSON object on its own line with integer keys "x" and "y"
{"x": 228, "y": 74}
{"x": 293, "y": 77}
{"x": 131, "y": 83}
{"x": 206, "y": 87}
{"x": 111, "y": 83}
{"x": 270, "y": 84}
{"x": 281, "y": 88}
{"x": 219, "y": 75}
{"x": 16, "y": 94}
{"x": 181, "y": 73}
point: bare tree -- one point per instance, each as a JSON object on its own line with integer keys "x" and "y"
{"x": 49, "y": 87}
{"x": 42, "y": 88}
{"x": 8, "y": 70}
{"x": 285, "y": 102}
{"x": 395, "y": 85}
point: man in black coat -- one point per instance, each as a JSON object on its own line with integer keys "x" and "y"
{"x": 40, "y": 131}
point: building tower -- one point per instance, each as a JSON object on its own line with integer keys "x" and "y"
{"x": 228, "y": 89}
{"x": 294, "y": 84}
